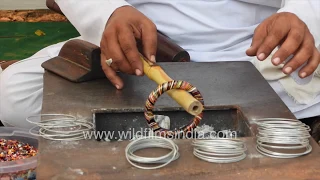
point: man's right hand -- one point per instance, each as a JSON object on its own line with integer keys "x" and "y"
{"x": 118, "y": 42}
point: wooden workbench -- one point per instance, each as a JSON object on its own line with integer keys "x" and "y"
{"x": 236, "y": 84}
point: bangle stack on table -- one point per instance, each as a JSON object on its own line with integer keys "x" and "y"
{"x": 220, "y": 150}
{"x": 283, "y": 138}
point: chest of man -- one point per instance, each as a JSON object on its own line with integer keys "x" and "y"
{"x": 206, "y": 15}
{"x": 208, "y": 29}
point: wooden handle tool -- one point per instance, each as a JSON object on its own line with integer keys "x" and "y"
{"x": 184, "y": 99}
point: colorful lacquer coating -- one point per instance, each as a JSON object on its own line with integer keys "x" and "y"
{"x": 182, "y": 85}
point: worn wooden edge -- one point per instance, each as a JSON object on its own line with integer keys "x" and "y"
{"x": 38, "y": 15}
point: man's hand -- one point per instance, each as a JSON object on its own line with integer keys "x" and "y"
{"x": 294, "y": 38}
{"x": 52, "y": 5}
{"x": 119, "y": 43}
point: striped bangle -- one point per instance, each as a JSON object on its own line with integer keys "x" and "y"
{"x": 149, "y": 116}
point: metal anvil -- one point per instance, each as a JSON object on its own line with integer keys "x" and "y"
{"x": 235, "y": 94}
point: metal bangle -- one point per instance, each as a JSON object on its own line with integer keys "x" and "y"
{"x": 269, "y": 153}
{"x": 275, "y": 134}
{"x": 60, "y": 127}
{"x": 219, "y": 150}
{"x": 303, "y": 145}
{"x": 150, "y": 142}
{"x": 79, "y": 124}
{"x": 219, "y": 160}
{"x": 66, "y": 117}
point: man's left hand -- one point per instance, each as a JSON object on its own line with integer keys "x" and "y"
{"x": 293, "y": 37}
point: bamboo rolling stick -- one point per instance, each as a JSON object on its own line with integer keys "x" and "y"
{"x": 183, "y": 98}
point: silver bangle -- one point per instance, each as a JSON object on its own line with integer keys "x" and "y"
{"x": 219, "y": 150}
{"x": 151, "y": 142}
{"x": 60, "y": 127}
{"x": 282, "y": 138}
{"x": 270, "y": 153}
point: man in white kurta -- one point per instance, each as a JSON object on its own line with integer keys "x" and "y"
{"x": 210, "y": 30}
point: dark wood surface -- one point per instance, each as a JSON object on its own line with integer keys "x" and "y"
{"x": 167, "y": 50}
{"x": 236, "y": 84}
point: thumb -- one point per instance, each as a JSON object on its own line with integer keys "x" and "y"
{"x": 149, "y": 42}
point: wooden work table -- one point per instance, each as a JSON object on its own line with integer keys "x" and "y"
{"x": 226, "y": 84}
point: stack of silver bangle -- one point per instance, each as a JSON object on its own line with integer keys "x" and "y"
{"x": 282, "y": 138}
{"x": 59, "y": 127}
{"x": 219, "y": 150}
{"x": 151, "y": 142}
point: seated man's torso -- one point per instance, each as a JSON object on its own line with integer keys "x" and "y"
{"x": 210, "y": 30}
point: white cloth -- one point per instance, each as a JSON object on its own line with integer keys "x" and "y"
{"x": 308, "y": 11}
{"x": 89, "y": 17}
{"x": 301, "y": 93}
{"x": 210, "y": 30}
{"x": 21, "y": 88}
{"x": 305, "y": 94}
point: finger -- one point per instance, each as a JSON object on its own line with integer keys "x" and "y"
{"x": 274, "y": 38}
{"x": 300, "y": 57}
{"x": 311, "y": 66}
{"x": 107, "y": 36}
{"x": 149, "y": 41}
{"x": 130, "y": 50}
{"x": 260, "y": 33}
{"x": 111, "y": 74}
{"x": 290, "y": 46}
{"x": 114, "y": 51}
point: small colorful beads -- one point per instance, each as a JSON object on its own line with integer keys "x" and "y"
{"x": 11, "y": 150}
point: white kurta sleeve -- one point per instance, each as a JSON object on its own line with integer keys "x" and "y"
{"x": 308, "y": 11}
{"x": 89, "y": 17}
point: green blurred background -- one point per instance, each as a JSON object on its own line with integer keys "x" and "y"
{"x": 19, "y": 40}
